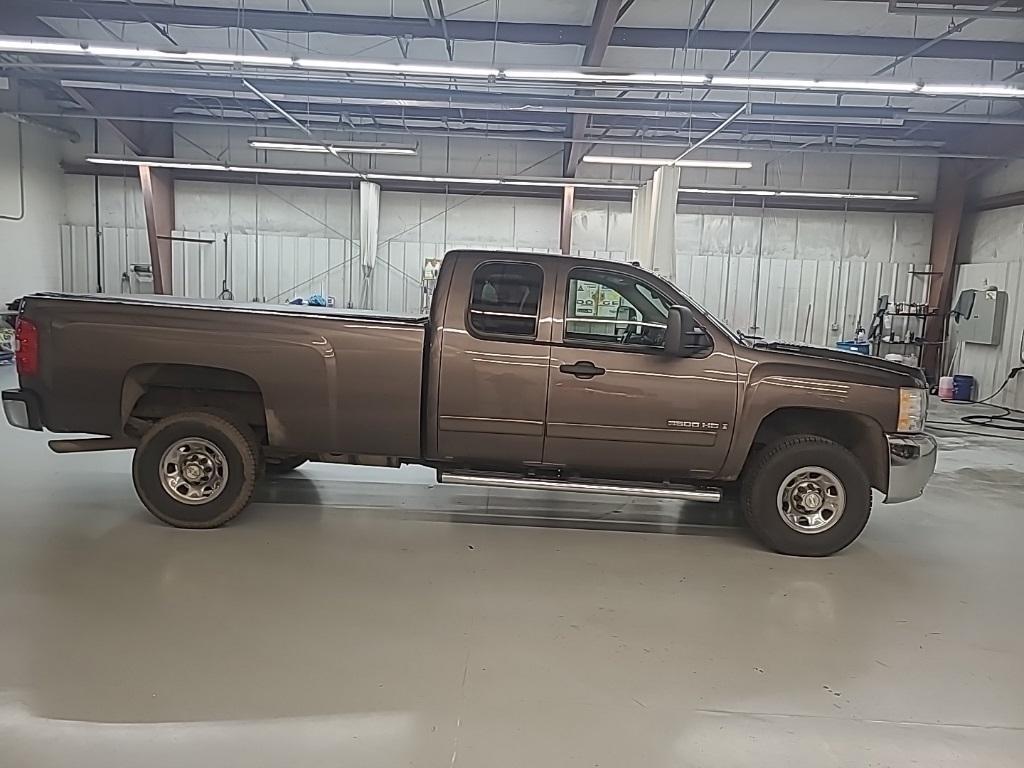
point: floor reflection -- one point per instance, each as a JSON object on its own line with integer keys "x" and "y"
{"x": 463, "y": 504}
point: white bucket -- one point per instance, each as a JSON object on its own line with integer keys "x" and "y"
{"x": 946, "y": 388}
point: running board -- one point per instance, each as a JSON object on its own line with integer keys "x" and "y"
{"x": 652, "y": 490}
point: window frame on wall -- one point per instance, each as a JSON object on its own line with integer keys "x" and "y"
{"x": 473, "y": 307}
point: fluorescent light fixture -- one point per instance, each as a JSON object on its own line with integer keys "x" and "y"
{"x": 568, "y": 76}
{"x": 871, "y": 86}
{"x": 198, "y": 57}
{"x": 761, "y": 82}
{"x": 620, "y": 160}
{"x": 538, "y": 181}
{"x": 572, "y": 75}
{"x": 28, "y": 45}
{"x": 400, "y": 68}
{"x": 745, "y": 192}
{"x": 708, "y": 191}
{"x": 431, "y": 179}
{"x": 982, "y": 91}
{"x": 849, "y": 195}
{"x": 346, "y": 148}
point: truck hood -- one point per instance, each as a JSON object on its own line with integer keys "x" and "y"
{"x": 906, "y": 374}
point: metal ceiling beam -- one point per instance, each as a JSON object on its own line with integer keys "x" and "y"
{"x": 141, "y": 138}
{"x": 319, "y": 182}
{"x": 606, "y": 14}
{"x": 526, "y": 103}
{"x": 512, "y": 32}
{"x": 923, "y": 47}
{"x": 756, "y": 124}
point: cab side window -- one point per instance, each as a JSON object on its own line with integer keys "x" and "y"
{"x": 613, "y": 309}
{"x": 505, "y": 300}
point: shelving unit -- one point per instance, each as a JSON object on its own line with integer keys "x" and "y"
{"x": 880, "y": 347}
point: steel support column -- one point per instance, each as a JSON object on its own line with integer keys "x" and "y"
{"x": 565, "y": 231}
{"x": 948, "y": 214}
{"x": 158, "y": 201}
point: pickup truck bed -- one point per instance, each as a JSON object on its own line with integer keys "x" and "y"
{"x": 329, "y": 380}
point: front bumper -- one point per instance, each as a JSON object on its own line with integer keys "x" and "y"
{"x": 22, "y": 409}
{"x": 911, "y": 464}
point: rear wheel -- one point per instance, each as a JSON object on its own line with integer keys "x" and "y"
{"x": 806, "y": 495}
{"x": 196, "y": 470}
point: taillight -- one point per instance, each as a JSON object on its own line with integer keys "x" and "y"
{"x": 26, "y": 346}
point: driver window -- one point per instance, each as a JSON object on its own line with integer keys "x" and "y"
{"x": 615, "y": 309}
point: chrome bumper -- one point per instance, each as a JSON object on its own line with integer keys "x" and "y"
{"x": 911, "y": 464}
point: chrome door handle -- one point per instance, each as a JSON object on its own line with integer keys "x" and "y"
{"x": 584, "y": 369}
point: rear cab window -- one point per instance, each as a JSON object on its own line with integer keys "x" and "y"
{"x": 505, "y": 300}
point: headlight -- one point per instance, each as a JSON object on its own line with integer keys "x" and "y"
{"x": 913, "y": 409}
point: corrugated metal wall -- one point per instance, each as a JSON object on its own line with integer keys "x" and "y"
{"x": 812, "y": 280}
{"x": 993, "y": 249}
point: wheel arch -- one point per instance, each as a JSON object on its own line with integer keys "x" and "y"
{"x": 152, "y": 391}
{"x": 862, "y": 435}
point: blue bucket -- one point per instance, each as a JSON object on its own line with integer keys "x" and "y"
{"x": 963, "y": 388}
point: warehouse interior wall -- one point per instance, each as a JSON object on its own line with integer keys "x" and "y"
{"x": 991, "y": 254}
{"x": 31, "y": 210}
{"x": 804, "y": 275}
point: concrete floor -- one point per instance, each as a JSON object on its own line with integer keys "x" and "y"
{"x": 365, "y": 618}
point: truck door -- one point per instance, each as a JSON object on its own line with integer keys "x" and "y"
{"x": 617, "y": 404}
{"x": 492, "y": 388}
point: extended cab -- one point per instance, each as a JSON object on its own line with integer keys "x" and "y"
{"x": 531, "y": 370}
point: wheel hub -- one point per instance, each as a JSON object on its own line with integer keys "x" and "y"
{"x": 811, "y": 499}
{"x": 193, "y": 471}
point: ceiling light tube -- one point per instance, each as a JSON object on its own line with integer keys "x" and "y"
{"x": 742, "y": 192}
{"x": 708, "y": 191}
{"x": 348, "y": 147}
{"x": 849, "y": 195}
{"x": 432, "y": 179}
{"x": 401, "y": 68}
{"x": 28, "y": 45}
{"x": 570, "y": 75}
{"x": 658, "y": 161}
{"x": 981, "y": 91}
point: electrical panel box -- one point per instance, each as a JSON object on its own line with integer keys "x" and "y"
{"x": 986, "y": 319}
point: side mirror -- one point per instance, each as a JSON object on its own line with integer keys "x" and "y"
{"x": 682, "y": 338}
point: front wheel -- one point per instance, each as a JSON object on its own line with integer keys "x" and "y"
{"x": 806, "y": 495}
{"x": 195, "y": 470}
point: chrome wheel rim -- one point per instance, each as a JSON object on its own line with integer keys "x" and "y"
{"x": 193, "y": 471}
{"x": 811, "y": 499}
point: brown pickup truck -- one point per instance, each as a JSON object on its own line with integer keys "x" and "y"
{"x": 531, "y": 371}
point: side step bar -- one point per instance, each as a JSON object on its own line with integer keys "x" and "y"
{"x": 652, "y": 490}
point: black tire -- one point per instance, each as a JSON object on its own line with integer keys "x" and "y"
{"x": 237, "y": 447}
{"x": 763, "y": 481}
{"x": 279, "y": 465}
